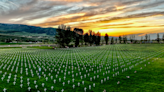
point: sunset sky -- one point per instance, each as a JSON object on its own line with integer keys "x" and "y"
{"x": 115, "y": 17}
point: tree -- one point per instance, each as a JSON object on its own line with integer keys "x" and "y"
{"x": 112, "y": 40}
{"x": 141, "y": 39}
{"x": 163, "y": 38}
{"x": 124, "y": 39}
{"x": 60, "y": 37}
{"x": 68, "y": 35}
{"x": 62, "y": 27}
{"x": 116, "y": 40}
{"x": 146, "y": 38}
{"x": 86, "y": 38}
{"x": 120, "y": 39}
{"x": 90, "y": 37}
{"x": 77, "y": 40}
{"x": 158, "y": 39}
{"x": 106, "y": 38}
{"x": 94, "y": 38}
{"x": 131, "y": 39}
{"x": 80, "y": 33}
{"x": 64, "y": 35}
{"x": 98, "y": 38}
{"x": 149, "y": 38}
{"x": 82, "y": 39}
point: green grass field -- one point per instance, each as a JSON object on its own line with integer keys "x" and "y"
{"x": 14, "y": 43}
{"x": 115, "y": 68}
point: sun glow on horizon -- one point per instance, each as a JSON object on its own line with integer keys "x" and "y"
{"x": 114, "y": 17}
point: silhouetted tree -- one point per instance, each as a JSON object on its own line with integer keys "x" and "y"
{"x": 94, "y": 38}
{"x": 86, "y": 38}
{"x": 82, "y": 39}
{"x": 158, "y": 39}
{"x": 116, "y": 40}
{"x": 98, "y": 38}
{"x": 68, "y": 35}
{"x": 106, "y": 38}
{"x": 120, "y": 39}
{"x": 131, "y": 39}
{"x": 80, "y": 33}
{"x": 146, "y": 38}
{"x": 64, "y": 35}
{"x": 60, "y": 35}
{"x": 77, "y": 40}
{"x": 149, "y": 38}
{"x": 112, "y": 41}
{"x": 163, "y": 38}
{"x": 124, "y": 39}
{"x": 62, "y": 27}
{"x": 90, "y": 37}
{"x": 141, "y": 39}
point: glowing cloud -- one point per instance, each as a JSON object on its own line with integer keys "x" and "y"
{"x": 114, "y": 17}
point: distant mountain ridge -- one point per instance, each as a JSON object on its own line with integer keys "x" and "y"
{"x": 11, "y": 28}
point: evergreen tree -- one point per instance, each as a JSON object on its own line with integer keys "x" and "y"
{"x": 141, "y": 39}
{"x": 94, "y": 38}
{"x": 68, "y": 35}
{"x": 59, "y": 37}
{"x": 163, "y": 38}
{"x": 82, "y": 39}
{"x": 64, "y": 35}
{"x": 86, "y": 38}
{"x": 149, "y": 38}
{"x": 134, "y": 39}
{"x": 158, "y": 39}
{"x": 116, "y": 40}
{"x": 124, "y": 39}
{"x": 120, "y": 39}
{"x": 131, "y": 39}
{"x": 90, "y": 37}
{"x": 146, "y": 38}
{"x": 106, "y": 38}
{"x": 112, "y": 41}
{"x": 98, "y": 38}
{"x": 77, "y": 40}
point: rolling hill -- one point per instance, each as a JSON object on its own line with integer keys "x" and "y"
{"x": 18, "y": 29}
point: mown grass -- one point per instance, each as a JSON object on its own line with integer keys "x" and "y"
{"x": 147, "y": 79}
{"x": 42, "y": 47}
{"x": 14, "y": 43}
{"x": 9, "y": 47}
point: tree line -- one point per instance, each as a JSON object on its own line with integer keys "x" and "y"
{"x": 74, "y": 38}
{"x": 65, "y": 36}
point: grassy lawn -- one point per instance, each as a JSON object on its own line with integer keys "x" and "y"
{"x": 116, "y": 68}
{"x": 14, "y": 43}
{"x": 9, "y": 47}
{"x": 147, "y": 79}
{"x": 42, "y": 47}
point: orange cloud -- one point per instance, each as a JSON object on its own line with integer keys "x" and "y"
{"x": 65, "y": 16}
{"x": 120, "y": 7}
{"x": 111, "y": 22}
